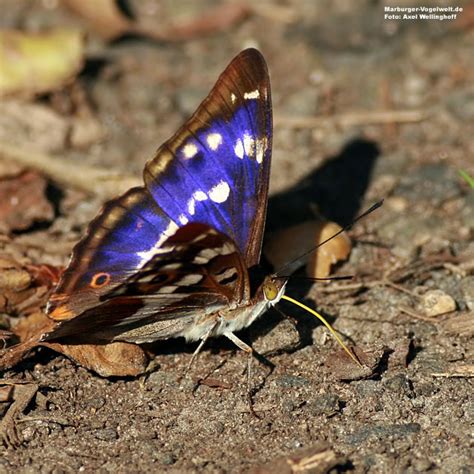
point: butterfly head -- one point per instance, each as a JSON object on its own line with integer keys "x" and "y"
{"x": 273, "y": 289}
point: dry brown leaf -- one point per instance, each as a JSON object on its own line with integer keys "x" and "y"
{"x": 110, "y": 22}
{"x": 23, "y": 287}
{"x": 6, "y": 393}
{"x": 462, "y": 324}
{"x": 32, "y": 63}
{"x": 336, "y": 250}
{"x": 314, "y": 460}
{"x": 104, "y": 16}
{"x": 220, "y": 18}
{"x": 117, "y": 359}
{"x": 342, "y": 367}
{"x": 23, "y": 202}
{"x": 290, "y": 243}
{"x": 12, "y": 276}
{"x": 36, "y": 125}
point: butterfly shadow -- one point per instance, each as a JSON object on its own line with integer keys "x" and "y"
{"x": 337, "y": 190}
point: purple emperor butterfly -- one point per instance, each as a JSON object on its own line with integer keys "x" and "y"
{"x": 177, "y": 256}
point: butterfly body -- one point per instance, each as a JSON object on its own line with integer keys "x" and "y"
{"x": 176, "y": 257}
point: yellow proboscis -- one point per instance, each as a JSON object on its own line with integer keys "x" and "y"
{"x": 323, "y": 320}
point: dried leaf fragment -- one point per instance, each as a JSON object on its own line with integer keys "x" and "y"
{"x": 32, "y": 63}
{"x": 314, "y": 460}
{"x": 118, "y": 359}
{"x": 289, "y": 244}
{"x": 104, "y": 16}
{"x": 343, "y": 368}
{"x": 23, "y": 201}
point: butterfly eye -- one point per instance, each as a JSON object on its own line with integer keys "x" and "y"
{"x": 270, "y": 291}
{"x": 100, "y": 279}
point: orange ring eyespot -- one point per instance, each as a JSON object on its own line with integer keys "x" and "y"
{"x": 100, "y": 279}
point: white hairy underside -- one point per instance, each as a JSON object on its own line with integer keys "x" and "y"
{"x": 242, "y": 318}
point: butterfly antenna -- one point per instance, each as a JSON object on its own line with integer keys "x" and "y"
{"x": 325, "y": 322}
{"x": 292, "y": 263}
{"x": 306, "y": 278}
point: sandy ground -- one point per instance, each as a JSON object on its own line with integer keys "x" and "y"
{"x": 342, "y": 62}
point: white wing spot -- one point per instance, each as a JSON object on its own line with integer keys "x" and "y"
{"x": 233, "y": 97}
{"x": 220, "y": 192}
{"x": 190, "y": 279}
{"x": 252, "y": 95}
{"x": 239, "y": 149}
{"x": 214, "y": 140}
{"x": 183, "y": 219}
{"x": 197, "y": 196}
{"x": 200, "y": 195}
{"x": 147, "y": 255}
{"x": 262, "y": 145}
{"x": 249, "y": 145}
{"x": 190, "y": 150}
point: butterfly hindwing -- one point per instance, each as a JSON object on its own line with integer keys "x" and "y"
{"x": 198, "y": 272}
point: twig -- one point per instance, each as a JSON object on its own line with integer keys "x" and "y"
{"x": 355, "y": 118}
{"x": 460, "y": 371}
{"x": 411, "y": 313}
{"x": 23, "y": 394}
{"x": 98, "y": 181}
{"x": 274, "y": 12}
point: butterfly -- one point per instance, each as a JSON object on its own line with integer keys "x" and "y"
{"x": 179, "y": 256}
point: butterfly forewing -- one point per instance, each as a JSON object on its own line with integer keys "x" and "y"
{"x": 115, "y": 245}
{"x": 215, "y": 169}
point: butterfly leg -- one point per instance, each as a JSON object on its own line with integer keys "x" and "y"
{"x": 199, "y": 348}
{"x": 246, "y": 348}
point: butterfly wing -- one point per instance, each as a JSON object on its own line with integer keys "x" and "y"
{"x": 214, "y": 171}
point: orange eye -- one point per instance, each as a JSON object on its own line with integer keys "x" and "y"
{"x": 100, "y": 279}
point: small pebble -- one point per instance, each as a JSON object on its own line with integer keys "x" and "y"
{"x": 288, "y": 381}
{"x": 106, "y": 434}
{"x": 436, "y": 302}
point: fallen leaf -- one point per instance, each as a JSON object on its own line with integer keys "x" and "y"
{"x": 23, "y": 202}
{"x": 220, "y": 18}
{"x": 106, "y": 18}
{"x": 33, "y": 63}
{"x": 317, "y": 459}
{"x": 34, "y": 124}
{"x": 342, "y": 367}
{"x": 289, "y": 244}
{"x": 213, "y": 383}
{"x": 117, "y": 359}
{"x": 6, "y": 393}
{"x": 335, "y": 250}
{"x": 20, "y": 291}
{"x": 462, "y": 324}
{"x": 13, "y": 276}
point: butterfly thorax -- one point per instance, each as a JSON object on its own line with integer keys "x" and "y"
{"x": 240, "y": 316}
